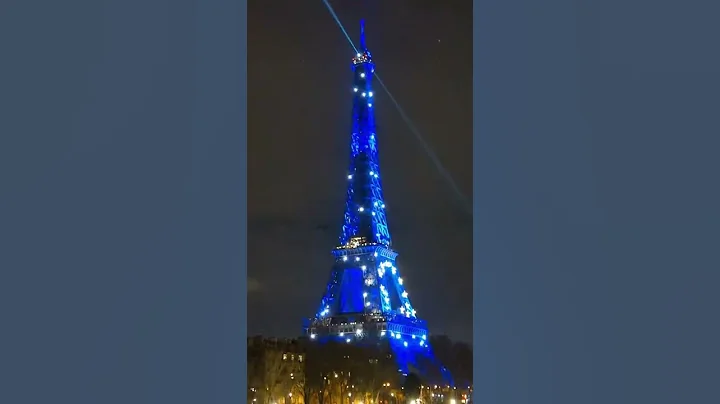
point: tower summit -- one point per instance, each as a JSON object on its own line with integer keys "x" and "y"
{"x": 362, "y": 36}
{"x": 365, "y": 221}
{"x": 365, "y": 301}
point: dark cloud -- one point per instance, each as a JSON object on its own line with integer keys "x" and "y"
{"x": 253, "y": 285}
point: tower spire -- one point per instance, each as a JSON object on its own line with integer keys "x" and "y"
{"x": 363, "y": 46}
{"x": 365, "y": 221}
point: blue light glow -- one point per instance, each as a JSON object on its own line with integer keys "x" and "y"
{"x": 364, "y": 156}
{"x": 365, "y": 297}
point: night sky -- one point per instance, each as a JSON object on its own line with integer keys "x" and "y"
{"x": 299, "y": 119}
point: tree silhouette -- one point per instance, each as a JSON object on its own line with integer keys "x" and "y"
{"x": 412, "y": 386}
{"x": 273, "y": 372}
{"x": 334, "y": 369}
{"x": 329, "y": 371}
{"x": 277, "y": 375}
{"x": 376, "y": 371}
{"x": 456, "y": 356}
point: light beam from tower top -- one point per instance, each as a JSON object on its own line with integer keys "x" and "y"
{"x": 363, "y": 55}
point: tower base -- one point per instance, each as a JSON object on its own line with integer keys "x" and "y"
{"x": 405, "y": 338}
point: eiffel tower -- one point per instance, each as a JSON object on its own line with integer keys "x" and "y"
{"x": 365, "y": 301}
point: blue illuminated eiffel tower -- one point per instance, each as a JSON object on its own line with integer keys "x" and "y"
{"x": 365, "y": 301}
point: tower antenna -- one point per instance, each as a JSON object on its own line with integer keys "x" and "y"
{"x": 363, "y": 47}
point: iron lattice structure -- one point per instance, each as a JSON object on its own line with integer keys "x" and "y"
{"x": 365, "y": 301}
